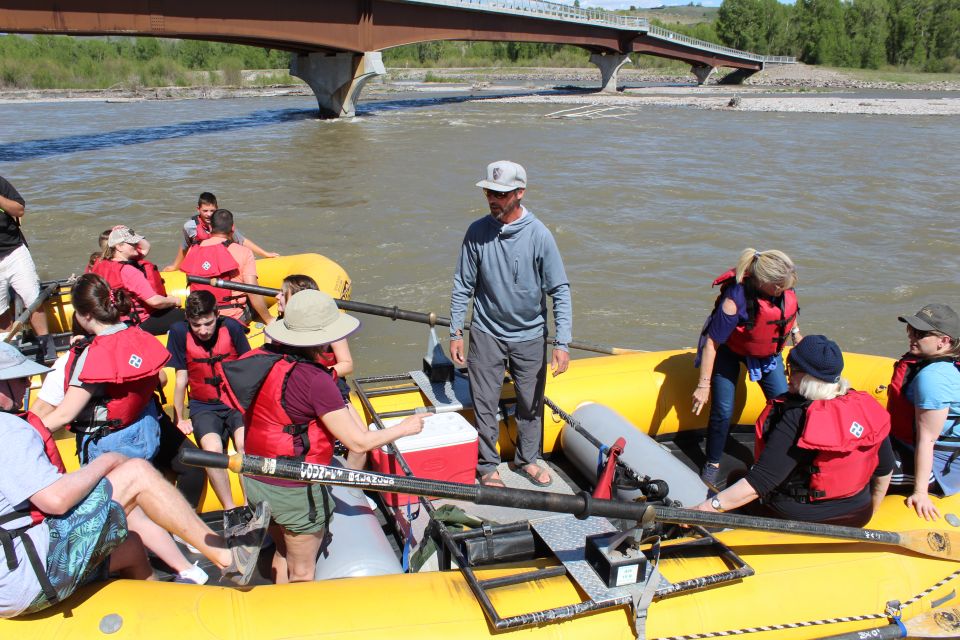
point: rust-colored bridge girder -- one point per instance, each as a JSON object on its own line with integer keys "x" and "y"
{"x": 340, "y": 38}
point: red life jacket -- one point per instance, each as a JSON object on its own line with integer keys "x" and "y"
{"x": 49, "y": 448}
{"x": 846, "y": 433}
{"x": 214, "y": 261}
{"x": 203, "y": 379}
{"x": 203, "y": 231}
{"x": 254, "y": 384}
{"x": 765, "y": 333}
{"x": 109, "y": 270}
{"x": 128, "y": 364}
{"x": 901, "y": 410}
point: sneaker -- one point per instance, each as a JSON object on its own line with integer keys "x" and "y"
{"x": 234, "y": 520}
{"x": 245, "y": 547}
{"x": 193, "y": 575}
{"x": 710, "y": 475}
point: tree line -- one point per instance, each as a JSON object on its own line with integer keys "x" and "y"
{"x": 921, "y": 35}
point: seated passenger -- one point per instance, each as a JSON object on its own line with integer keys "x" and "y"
{"x": 220, "y": 257}
{"x": 123, "y": 266}
{"x": 195, "y": 347}
{"x": 924, "y": 405}
{"x": 287, "y": 387}
{"x": 197, "y": 229}
{"x": 336, "y": 357}
{"x": 64, "y": 530}
{"x": 752, "y": 318}
{"x": 824, "y": 455}
{"x": 109, "y": 398}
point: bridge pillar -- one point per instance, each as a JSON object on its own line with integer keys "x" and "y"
{"x": 609, "y": 64}
{"x": 337, "y": 79}
{"x": 702, "y": 71}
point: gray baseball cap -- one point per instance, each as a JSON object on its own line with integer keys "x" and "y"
{"x": 935, "y": 317}
{"x": 14, "y": 364}
{"x": 503, "y": 176}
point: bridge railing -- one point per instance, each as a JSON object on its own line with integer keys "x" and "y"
{"x": 599, "y": 17}
{"x": 665, "y": 34}
{"x": 552, "y": 10}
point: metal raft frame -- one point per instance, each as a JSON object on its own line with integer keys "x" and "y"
{"x": 563, "y": 535}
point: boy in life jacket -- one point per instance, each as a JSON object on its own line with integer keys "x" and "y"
{"x": 220, "y": 257}
{"x": 60, "y": 531}
{"x": 752, "y": 318}
{"x": 198, "y": 228}
{"x": 924, "y": 404}
{"x": 196, "y": 347}
{"x": 824, "y": 454}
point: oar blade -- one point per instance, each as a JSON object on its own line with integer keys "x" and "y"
{"x": 939, "y": 623}
{"x": 938, "y": 544}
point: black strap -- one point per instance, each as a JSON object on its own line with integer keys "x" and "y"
{"x": 38, "y": 566}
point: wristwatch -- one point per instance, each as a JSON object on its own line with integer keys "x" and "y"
{"x": 715, "y": 503}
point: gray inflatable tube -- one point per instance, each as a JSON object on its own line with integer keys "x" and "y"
{"x": 357, "y": 545}
{"x": 643, "y": 454}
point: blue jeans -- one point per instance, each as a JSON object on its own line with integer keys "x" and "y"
{"x": 139, "y": 440}
{"x": 723, "y": 387}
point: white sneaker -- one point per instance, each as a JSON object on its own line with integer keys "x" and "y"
{"x": 193, "y": 575}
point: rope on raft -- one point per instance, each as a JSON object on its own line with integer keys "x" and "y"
{"x": 811, "y": 623}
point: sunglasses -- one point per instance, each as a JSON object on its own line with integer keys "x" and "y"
{"x": 917, "y": 334}
{"x": 498, "y": 195}
{"x": 790, "y": 370}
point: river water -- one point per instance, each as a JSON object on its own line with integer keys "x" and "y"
{"x": 647, "y": 209}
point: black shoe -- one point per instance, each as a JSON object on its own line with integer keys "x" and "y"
{"x": 234, "y": 520}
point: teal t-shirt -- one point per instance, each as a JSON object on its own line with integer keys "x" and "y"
{"x": 937, "y": 386}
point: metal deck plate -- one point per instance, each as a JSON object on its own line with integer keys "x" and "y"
{"x": 446, "y": 396}
{"x": 566, "y": 535}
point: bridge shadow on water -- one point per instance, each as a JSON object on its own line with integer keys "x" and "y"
{"x": 49, "y": 147}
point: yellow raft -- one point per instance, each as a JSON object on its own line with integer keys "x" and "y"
{"x": 802, "y": 587}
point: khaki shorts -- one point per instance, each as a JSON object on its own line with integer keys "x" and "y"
{"x": 291, "y": 506}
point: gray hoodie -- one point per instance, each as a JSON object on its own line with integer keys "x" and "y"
{"x": 509, "y": 270}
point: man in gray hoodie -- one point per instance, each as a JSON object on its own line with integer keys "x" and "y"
{"x": 509, "y": 264}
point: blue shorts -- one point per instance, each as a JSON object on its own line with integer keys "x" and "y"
{"x": 139, "y": 440}
{"x": 81, "y": 542}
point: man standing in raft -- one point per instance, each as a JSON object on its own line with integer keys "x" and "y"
{"x": 509, "y": 264}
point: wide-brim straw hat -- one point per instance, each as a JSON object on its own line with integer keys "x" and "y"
{"x": 310, "y": 319}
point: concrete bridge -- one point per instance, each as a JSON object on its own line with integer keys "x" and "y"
{"x": 338, "y": 42}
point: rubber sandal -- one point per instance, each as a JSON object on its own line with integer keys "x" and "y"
{"x": 245, "y": 547}
{"x": 492, "y": 479}
{"x": 535, "y": 479}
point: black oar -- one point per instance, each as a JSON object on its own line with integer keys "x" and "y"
{"x": 938, "y": 623}
{"x": 393, "y": 313}
{"x": 24, "y": 316}
{"x": 940, "y": 544}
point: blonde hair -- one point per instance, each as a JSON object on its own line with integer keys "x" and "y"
{"x": 771, "y": 266}
{"x": 813, "y": 388}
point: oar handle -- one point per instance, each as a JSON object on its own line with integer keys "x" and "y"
{"x": 394, "y": 313}
{"x": 200, "y": 458}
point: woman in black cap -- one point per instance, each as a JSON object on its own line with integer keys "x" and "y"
{"x": 824, "y": 455}
{"x": 924, "y": 404}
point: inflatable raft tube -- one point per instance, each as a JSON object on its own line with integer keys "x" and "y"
{"x": 642, "y": 453}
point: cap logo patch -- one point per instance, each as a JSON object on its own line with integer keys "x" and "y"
{"x": 135, "y": 361}
{"x": 856, "y": 429}
{"x": 497, "y": 172}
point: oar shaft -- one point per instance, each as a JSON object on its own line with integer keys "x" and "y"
{"x": 889, "y": 632}
{"x": 394, "y": 313}
{"x": 581, "y": 504}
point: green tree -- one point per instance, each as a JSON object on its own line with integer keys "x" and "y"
{"x": 822, "y": 32}
{"x": 868, "y": 30}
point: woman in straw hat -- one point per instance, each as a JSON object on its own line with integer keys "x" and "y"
{"x": 295, "y": 411}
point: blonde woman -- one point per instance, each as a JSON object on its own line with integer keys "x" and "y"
{"x": 754, "y": 315}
